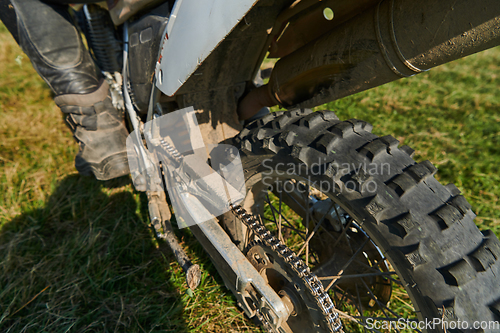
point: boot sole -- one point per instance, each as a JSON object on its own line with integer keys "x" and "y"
{"x": 111, "y": 167}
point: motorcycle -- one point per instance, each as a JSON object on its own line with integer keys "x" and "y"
{"x": 334, "y": 227}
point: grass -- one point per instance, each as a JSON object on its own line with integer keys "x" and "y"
{"x": 77, "y": 255}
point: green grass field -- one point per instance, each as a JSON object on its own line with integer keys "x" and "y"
{"x": 77, "y": 255}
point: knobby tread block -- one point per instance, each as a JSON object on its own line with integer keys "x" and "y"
{"x": 268, "y": 118}
{"x": 447, "y": 310}
{"x": 312, "y": 120}
{"x": 390, "y": 142}
{"x": 281, "y": 122}
{"x": 402, "y": 184}
{"x": 342, "y": 129}
{"x": 281, "y": 117}
{"x": 415, "y": 259}
{"x": 446, "y": 216}
{"x": 408, "y": 150}
{"x": 328, "y": 115}
{"x": 358, "y": 180}
{"x": 293, "y": 115}
{"x": 269, "y": 145}
{"x": 326, "y": 142}
{"x": 412, "y": 255}
{"x": 301, "y": 112}
{"x": 264, "y": 133}
{"x": 331, "y": 170}
{"x": 243, "y": 133}
{"x": 376, "y": 205}
{"x": 306, "y": 154}
{"x": 360, "y": 125}
{"x": 246, "y": 145}
{"x": 459, "y": 273}
{"x": 483, "y": 259}
{"x": 421, "y": 171}
{"x": 263, "y": 122}
{"x": 453, "y": 189}
{"x": 461, "y": 204}
{"x": 374, "y": 149}
{"x": 453, "y": 211}
{"x": 402, "y": 224}
{"x": 361, "y": 176}
{"x": 287, "y": 138}
{"x": 486, "y": 255}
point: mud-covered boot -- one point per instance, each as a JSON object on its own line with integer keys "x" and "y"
{"x": 100, "y": 132}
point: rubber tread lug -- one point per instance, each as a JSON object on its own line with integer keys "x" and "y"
{"x": 281, "y": 122}
{"x": 264, "y": 133}
{"x": 246, "y": 145}
{"x": 328, "y": 115}
{"x": 360, "y": 125}
{"x": 326, "y": 142}
{"x": 267, "y": 119}
{"x": 342, "y": 129}
{"x": 487, "y": 254}
{"x": 287, "y": 138}
{"x": 376, "y": 205}
{"x": 447, "y": 311}
{"x": 461, "y": 204}
{"x": 312, "y": 120}
{"x": 402, "y": 224}
{"x": 390, "y": 141}
{"x": 268, "y": 144}
{"x": 299, "y": 152}
{"x": 414, "y": 258}
{"x": 331, "y": 170}
{"x": 483, "y": 258}
{"x": 244, "y": 132}
{"x": 459, "y": 273}
{"x": 446, "y": 216}
{"x": 299, "y": 112}
{"x": 408, "y": 150}
{"x": 374, "y": 149}
{"x": 421, "y": 170}
{"x": 402, "y": 184}
{"x": 453, "y": 189}
{"x": 364, "y": 182}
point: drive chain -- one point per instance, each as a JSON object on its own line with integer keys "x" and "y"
{"x": 315, "y": 287}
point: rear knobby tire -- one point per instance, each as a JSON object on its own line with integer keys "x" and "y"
{"x": 425, "y": 229}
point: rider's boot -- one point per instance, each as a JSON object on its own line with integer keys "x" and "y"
{"x": 47, "y": 34}
{"x": 99, "y": 130}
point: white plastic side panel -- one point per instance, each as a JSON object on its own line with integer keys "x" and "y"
{"x": 194, "y": 29}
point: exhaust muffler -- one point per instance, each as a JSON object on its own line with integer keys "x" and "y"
{"x": 394, "y": 39}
